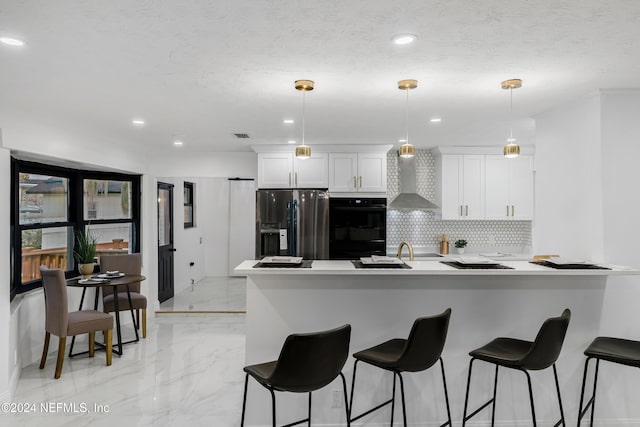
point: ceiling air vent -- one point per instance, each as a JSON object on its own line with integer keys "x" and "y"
{"x": 242, "y": 135}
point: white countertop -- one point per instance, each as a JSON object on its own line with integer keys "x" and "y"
{"x": 429, "y": 268}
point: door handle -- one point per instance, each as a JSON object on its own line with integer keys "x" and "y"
{"x": 289, "y": 178}
{"x": 172, "y": 250}
{"x": 507, "y": 210}
{"x": 296, "y": 178}
{"x": 355, "y": 185}
{"x": 460, "y": 210}
{"x": 513, "y": 210}
{"x": 466, "y": 210}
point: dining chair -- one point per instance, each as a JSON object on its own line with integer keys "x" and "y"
{"x": 127, "y": 264}
{"x": 307, "y": 362}
{"x": 420, "y": 351}
{"x": 62, "y": 323}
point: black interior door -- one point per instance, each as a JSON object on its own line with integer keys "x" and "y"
{"x": 165, "y": 241}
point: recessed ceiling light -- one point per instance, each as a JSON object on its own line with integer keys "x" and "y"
{"x": 11, "y": 41}
{"x": 402, "y": 140}
{"x": 138, "y": 122}
{"x": 435, "y": 120}
{"x": 291, "y": 142}
{"x": 178, "y": 143}
{"x": 288, "y": 121}
{"x": 404, "y": 38}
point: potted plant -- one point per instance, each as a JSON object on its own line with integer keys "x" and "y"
{"x": 84, "y": 252}
{"x": 460, "y": 244}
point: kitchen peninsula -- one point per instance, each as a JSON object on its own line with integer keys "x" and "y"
{"x": 383, "y": 303}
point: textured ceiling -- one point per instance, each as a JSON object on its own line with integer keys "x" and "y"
{"x": 202, "y": 70}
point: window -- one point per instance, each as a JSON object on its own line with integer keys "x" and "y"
{"x": 50, "y": 203}
{"x": 188, "y": 204}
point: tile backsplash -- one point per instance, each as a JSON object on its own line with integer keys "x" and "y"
{"x": 422, "y": 228}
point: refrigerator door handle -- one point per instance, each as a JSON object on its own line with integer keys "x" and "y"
{"x": 294, "y": 234}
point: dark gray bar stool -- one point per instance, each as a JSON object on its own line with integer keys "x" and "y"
{"x": 417, "y": 353}
{"x": 523, "y": 356}
{"x": 307, "y": 362}
{"x": 614, "y": 350}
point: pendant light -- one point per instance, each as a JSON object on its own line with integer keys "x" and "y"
{"x": 406, "y": 149}
{"x": 512, "y": 149}
{"x": 303, "y": 151}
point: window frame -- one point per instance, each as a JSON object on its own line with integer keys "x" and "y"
{"x": 191, "y": 203}
{"x": 75, "y": 213}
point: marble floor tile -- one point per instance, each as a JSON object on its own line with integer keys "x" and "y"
{"x": 210, "y": 294}
{"x": 187, "y": 372}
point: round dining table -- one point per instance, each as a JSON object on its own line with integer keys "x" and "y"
{"x": 98, "y": 282}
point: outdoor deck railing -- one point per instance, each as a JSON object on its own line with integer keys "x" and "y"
{"x": 33, "y": 258}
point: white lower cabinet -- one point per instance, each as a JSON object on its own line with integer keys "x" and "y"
{"x": 509, "y": 187}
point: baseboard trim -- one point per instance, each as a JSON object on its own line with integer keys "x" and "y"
{"x": 201, "y": 312}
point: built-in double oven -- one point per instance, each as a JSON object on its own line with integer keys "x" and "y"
{"x": 358, "y": 227}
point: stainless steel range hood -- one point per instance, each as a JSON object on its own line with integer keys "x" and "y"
{"x": 408, "y": 199}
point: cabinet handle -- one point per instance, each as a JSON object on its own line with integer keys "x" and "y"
{"x": 355, "y": 185}
{"x": 289, "y": 178}
{"x": 460, "y": 210}
{"x": 507, "y": 210}
{"x": 513, "y": 210}
{"x": 466, "y": 210}
{"x": 360, "y": 181}
{"x": 296, "y": 178}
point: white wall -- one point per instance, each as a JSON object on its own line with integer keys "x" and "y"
{"x": 590, "y": 148}
{"x": 568, "y": 195}
{"x": 6, "y": 362}
{"x": 210, "y": 255}
{"x": 212, "y": 165}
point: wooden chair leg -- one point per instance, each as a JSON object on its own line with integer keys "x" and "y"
{"x": 144, "y": 323}
{"x": 62, "y": 343}
{"x": 92, "y": 344}
{"x": 45, "y": 350}
{"x": 109, "y": 338}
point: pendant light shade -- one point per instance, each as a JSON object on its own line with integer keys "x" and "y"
{"x": 512, "y": 149}
{"x": 406, "y": 149}
{"x": 303, "y": 151}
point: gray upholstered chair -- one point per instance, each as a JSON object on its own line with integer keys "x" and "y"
{"x": 127, "y": 264}
{"x": 62, "y": 323}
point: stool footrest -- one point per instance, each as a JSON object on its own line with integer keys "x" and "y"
{"x": 297, "y": 422}
{"x": 370, "y": 411}
{"x": 478, "y": 410}
{"x": 586, "y": 408}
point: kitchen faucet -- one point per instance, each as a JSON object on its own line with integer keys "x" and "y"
{"x": 407, "y": 244}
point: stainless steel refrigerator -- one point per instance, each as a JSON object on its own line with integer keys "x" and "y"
{"x": 292, "y": 223}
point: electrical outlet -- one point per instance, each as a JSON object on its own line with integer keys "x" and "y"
{"x": 336, "y": 399}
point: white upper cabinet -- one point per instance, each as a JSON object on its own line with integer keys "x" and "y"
{"x": 275, "y": 170}
{"x": 509, "y": 187}
{"x": 312, "y": 172}
{"x": 358, "y": 172}
{"x": 461, "y": 186}
{"x": 283, "y": 170}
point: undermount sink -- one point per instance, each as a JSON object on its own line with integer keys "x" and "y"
{"x": 429, "y": 255}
